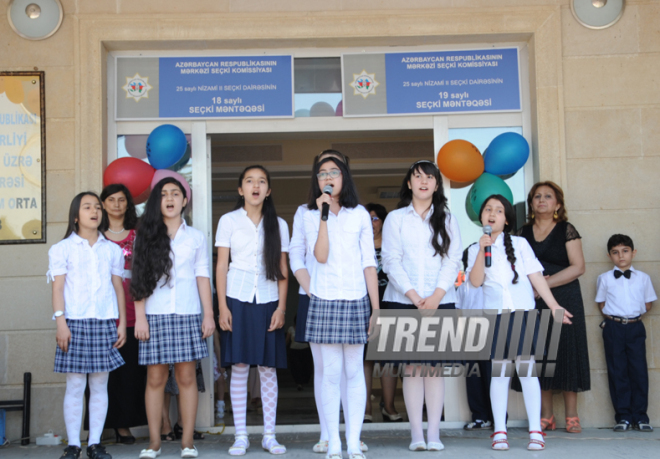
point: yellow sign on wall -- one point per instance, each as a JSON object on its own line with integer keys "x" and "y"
{"x": 22, "y": 158}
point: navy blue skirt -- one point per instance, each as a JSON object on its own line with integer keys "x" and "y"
{"x": 394, "y": 305}
{"x": 250, "y": 342}
{"x": 91, "y": 347}
{"x": 520, "y": 337}
{"x": 301, "y": 319}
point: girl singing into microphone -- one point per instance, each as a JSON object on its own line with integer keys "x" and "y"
{"x": 343, "y": 282}
{"x": 507, "y": 285}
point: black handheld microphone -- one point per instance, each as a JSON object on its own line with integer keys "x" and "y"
{"x": 326, "y": 207}
{"x": 488, "y": 230}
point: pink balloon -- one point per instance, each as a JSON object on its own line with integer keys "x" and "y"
{"x": 163, "y": 173}
{"x": 339, "y": 111}
{"x": 136, "y": 145}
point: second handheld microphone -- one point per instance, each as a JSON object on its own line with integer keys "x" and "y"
{"x": 326, "y": 207}
{"x": 488, "y": 230}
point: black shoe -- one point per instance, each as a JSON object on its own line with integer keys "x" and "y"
{"x": 71, "y": 452}
{"x": 97, "y": 452}
{"x": 127, "y": 440}
{"x": 178, "y": 433}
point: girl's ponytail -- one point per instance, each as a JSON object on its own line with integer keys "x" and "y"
{"x": 510, "y": 256}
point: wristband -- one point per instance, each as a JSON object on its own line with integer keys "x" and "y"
{"x": 58, "y": 314}
{"x": 281, "y": 310}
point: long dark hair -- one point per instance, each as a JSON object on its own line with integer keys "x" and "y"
{"x": 272, "y": 240}
{"x": 74, "y": 210}
{"x": 317, "y": 158}
{"x": 130, "y": 217}
{"x": 510, "y": 218}
{"x": 440, "y": 209}
{"x": 349, "y": 195}
{"x": 151, "y": 250}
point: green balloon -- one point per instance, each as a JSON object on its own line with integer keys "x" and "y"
{"x": 485, "y": 186}
{"x": 470, "y": 211}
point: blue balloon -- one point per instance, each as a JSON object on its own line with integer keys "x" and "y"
{"x": 506, "y": 154}
{"x": 166, "y": 146}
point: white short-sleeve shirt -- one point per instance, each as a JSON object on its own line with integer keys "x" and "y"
{"x": 299, "y": 256}
{"x": 625, "y": 297}
{"x": 409, "y": 258}
{"x": 190, "y": 260}
{"x": 88, "y": 270}
{"x": 469, "y": 297}
{"x": 498, "y": 290}
{"x": 351, "y": 239}
{"x": 246, "y": 279}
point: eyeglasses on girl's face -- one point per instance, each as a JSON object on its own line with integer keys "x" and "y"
{"x": 374, "y": 219}
{"x": 334, "y": 173}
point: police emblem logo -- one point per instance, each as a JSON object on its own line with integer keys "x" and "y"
{"x": 364, "y": 84}
{"x": 137, "y": 87}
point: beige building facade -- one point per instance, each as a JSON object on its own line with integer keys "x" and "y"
{"x": 593, "y": 105}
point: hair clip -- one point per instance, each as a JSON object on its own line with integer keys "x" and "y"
{"x": 422, "y": 161}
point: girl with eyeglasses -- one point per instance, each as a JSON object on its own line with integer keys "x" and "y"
{"x": 421, "y": 254}
{"x": 301, "y": 260}
{"x": 343, "y": 284}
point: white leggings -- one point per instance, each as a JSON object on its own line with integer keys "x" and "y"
{"x": 73, "y": 405}
{"x": 339, "y": 362}
{"x": 417, "y": 389}
{"x": 499, "y": 394}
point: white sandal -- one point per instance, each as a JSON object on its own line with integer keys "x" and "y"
{"x": 269, "y": 443}
{"x": 321, "y": 447}
{"x": 149, "y": 453}
{"x": 240, "y": 446}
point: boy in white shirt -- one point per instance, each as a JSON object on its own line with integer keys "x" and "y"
{"x": 623, "y": 295}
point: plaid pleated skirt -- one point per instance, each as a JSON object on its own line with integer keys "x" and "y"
{"x": 173, "y": 338}
{"x": 508, "y": 352}
{"x": 338, "y": 321}
{"x": 90, "y": 349}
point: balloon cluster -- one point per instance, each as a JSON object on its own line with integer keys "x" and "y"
{"x": 460, "y": 161}
{"x": 167, "y": 150}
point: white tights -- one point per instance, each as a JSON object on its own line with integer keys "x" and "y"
{"x": 416, "y": 389}
{"x": 318, "y": 390}
{"x": 338, "y": 362}
{"x": 238, "y": 392}
{"x": 499, "y": 394}
{"x": 73, "y": 405}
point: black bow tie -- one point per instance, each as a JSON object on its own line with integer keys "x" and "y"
{"x": 625, "y": 274}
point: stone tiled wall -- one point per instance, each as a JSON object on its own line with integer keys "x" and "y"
{"x": 598, "y": 134}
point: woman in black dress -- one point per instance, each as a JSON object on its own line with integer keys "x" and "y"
{"x": 558, "y": 247}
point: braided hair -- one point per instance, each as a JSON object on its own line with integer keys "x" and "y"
{"x": 510, "y": 223}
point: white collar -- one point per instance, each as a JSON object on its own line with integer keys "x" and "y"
{"x": 411, "y": 209}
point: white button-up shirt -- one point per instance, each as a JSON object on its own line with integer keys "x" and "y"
{"x": 469, "y": 297}
{"x": 409, "y": 260}
{"x": 625, "y": 297}
{"x": 499, "y": 292}
{"x": 247, "y": 271}
{"x": 299, "y": 256}
{"x": 351, "y": 239}
{"x": 88, "y": 289}
{"x": 190, "y": 260}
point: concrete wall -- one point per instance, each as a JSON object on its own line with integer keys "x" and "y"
{"x": 595, "y": 109}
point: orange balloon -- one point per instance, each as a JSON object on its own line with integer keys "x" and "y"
{"x": 460, "y": 161}
{"x": 14, "y": 90}
{"x": 2, "y": 85}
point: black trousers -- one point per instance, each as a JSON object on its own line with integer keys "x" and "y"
{"x": 478, "y": 391}
{"x": 627, "y": 372}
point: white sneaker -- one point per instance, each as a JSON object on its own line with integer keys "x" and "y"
{"x": 149, "y": 454}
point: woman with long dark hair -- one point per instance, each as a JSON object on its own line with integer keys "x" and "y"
{"x": 343, "y": 284}
{"x": 252, "y": 296}
{"x": 171, "y": 289}
{"x": 127, "y": 383}
{"x": 421, "y": 255}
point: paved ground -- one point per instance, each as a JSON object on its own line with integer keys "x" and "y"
{"x": 392, "y": 444}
